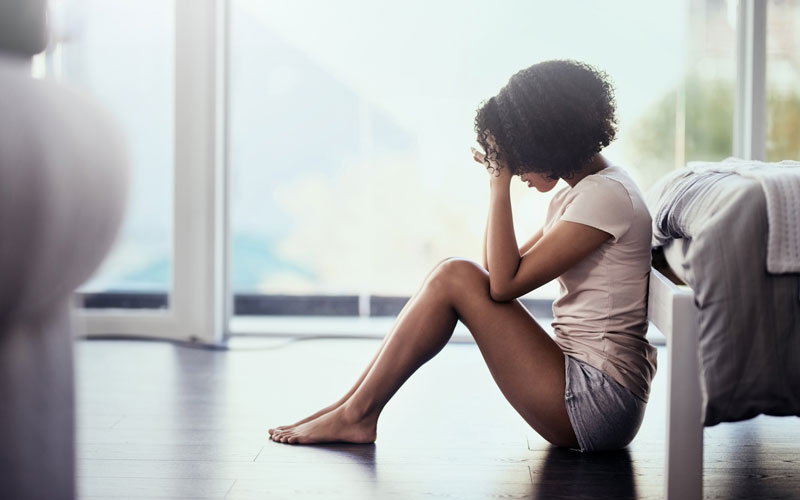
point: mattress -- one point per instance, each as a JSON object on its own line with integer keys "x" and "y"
{"x": 713, "y": 229}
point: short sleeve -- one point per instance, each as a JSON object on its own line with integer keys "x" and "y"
{"x": 603, "y": 204}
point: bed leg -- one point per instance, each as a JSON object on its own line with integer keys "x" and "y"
{"x": 684, "y": 460}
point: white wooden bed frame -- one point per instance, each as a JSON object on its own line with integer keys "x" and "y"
{"x": 672, "y": 310}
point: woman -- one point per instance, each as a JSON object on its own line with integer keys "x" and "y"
{"x": 587, "y": 387}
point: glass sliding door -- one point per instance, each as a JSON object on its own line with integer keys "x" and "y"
{"x": 122, "y": 53}
{"x": 351, "y": 124}
{"x": 158, "y": 67}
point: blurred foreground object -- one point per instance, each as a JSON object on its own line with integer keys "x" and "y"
{"x": 23, "y": 26}
{"x": 63, "y": 175}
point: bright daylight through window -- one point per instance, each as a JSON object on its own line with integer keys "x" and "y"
{"x": 351, "y": 127}
{"x": 350, "y": 123}
{"x": 122, "y": 53}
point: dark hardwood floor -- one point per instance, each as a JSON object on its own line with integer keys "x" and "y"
{"x": 158, "y": 420}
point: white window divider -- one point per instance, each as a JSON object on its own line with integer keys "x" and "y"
{"x": 200, "y": 302}
{"x": 750, "y": 117}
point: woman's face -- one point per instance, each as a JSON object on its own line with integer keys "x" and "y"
{"x": 541, "y": 182}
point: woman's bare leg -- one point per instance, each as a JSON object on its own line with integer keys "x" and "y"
{"x": 524, "y": 361}
{"x": 342, "y": 400}
{"x": 352, "y": 390}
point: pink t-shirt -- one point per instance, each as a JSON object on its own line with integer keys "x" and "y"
{"x": 601, "y": 314}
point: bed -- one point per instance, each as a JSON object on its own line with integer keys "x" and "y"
{"x": 732, "y": 324}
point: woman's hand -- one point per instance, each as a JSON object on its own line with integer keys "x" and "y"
{"x": 498, "y": 173}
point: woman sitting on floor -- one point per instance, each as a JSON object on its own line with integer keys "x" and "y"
{"x": 587, "y": 387}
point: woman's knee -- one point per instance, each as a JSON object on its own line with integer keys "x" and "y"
{"x": 456, "y": 274}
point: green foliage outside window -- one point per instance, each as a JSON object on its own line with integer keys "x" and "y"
{"x": 708, "y": 136}
{"x": 783, "y": 122}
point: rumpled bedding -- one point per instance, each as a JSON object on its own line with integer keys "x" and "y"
{"x": 714, "y": 227}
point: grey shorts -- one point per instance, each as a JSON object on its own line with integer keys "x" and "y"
{"x": 604, "y": 414}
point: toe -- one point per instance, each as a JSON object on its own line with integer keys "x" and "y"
{"x": 278, "y": 429}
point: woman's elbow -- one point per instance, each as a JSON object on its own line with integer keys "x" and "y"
{"x": 506, "y": 292}
{"x": 500, "y": 294}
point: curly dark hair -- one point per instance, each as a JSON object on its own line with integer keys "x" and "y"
{"x": 550, "y": 118}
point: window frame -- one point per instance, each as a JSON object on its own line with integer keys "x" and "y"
{"x": 750, "y": 108}
{"x": 198, "y": 306}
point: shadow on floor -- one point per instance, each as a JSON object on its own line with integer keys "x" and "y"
{"x": 566, "y": 473}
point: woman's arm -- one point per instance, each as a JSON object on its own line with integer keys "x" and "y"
{"x": 522, "y": 250}
{"x": 479, "y": 157}
{"x": 515, "y": 273}
{"x": 532, "y": 241}
{"x": 502, "y": 252}
{"x": 485, "y": 241}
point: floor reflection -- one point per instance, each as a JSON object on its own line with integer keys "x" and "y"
{"x": 362, "y": 455}
{"x": 570, "y": 474}
{"x": 361, "y": 471}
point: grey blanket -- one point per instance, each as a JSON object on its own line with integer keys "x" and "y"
{"x": 714, "y": 226}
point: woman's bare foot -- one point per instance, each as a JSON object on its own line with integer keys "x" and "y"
{"x": 336, "y": 426}
{"x": 318, "y": 414}
{"x": 344, "y": 399}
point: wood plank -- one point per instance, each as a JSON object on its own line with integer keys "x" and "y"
{"x": 301, "y": 471}
{"x": 96, "y": 421}
{"x": 488, "y": 489}
{"x": 138, "y": 451}
{"x": 125, "y": 487}
{"x": 512, "y": 441}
